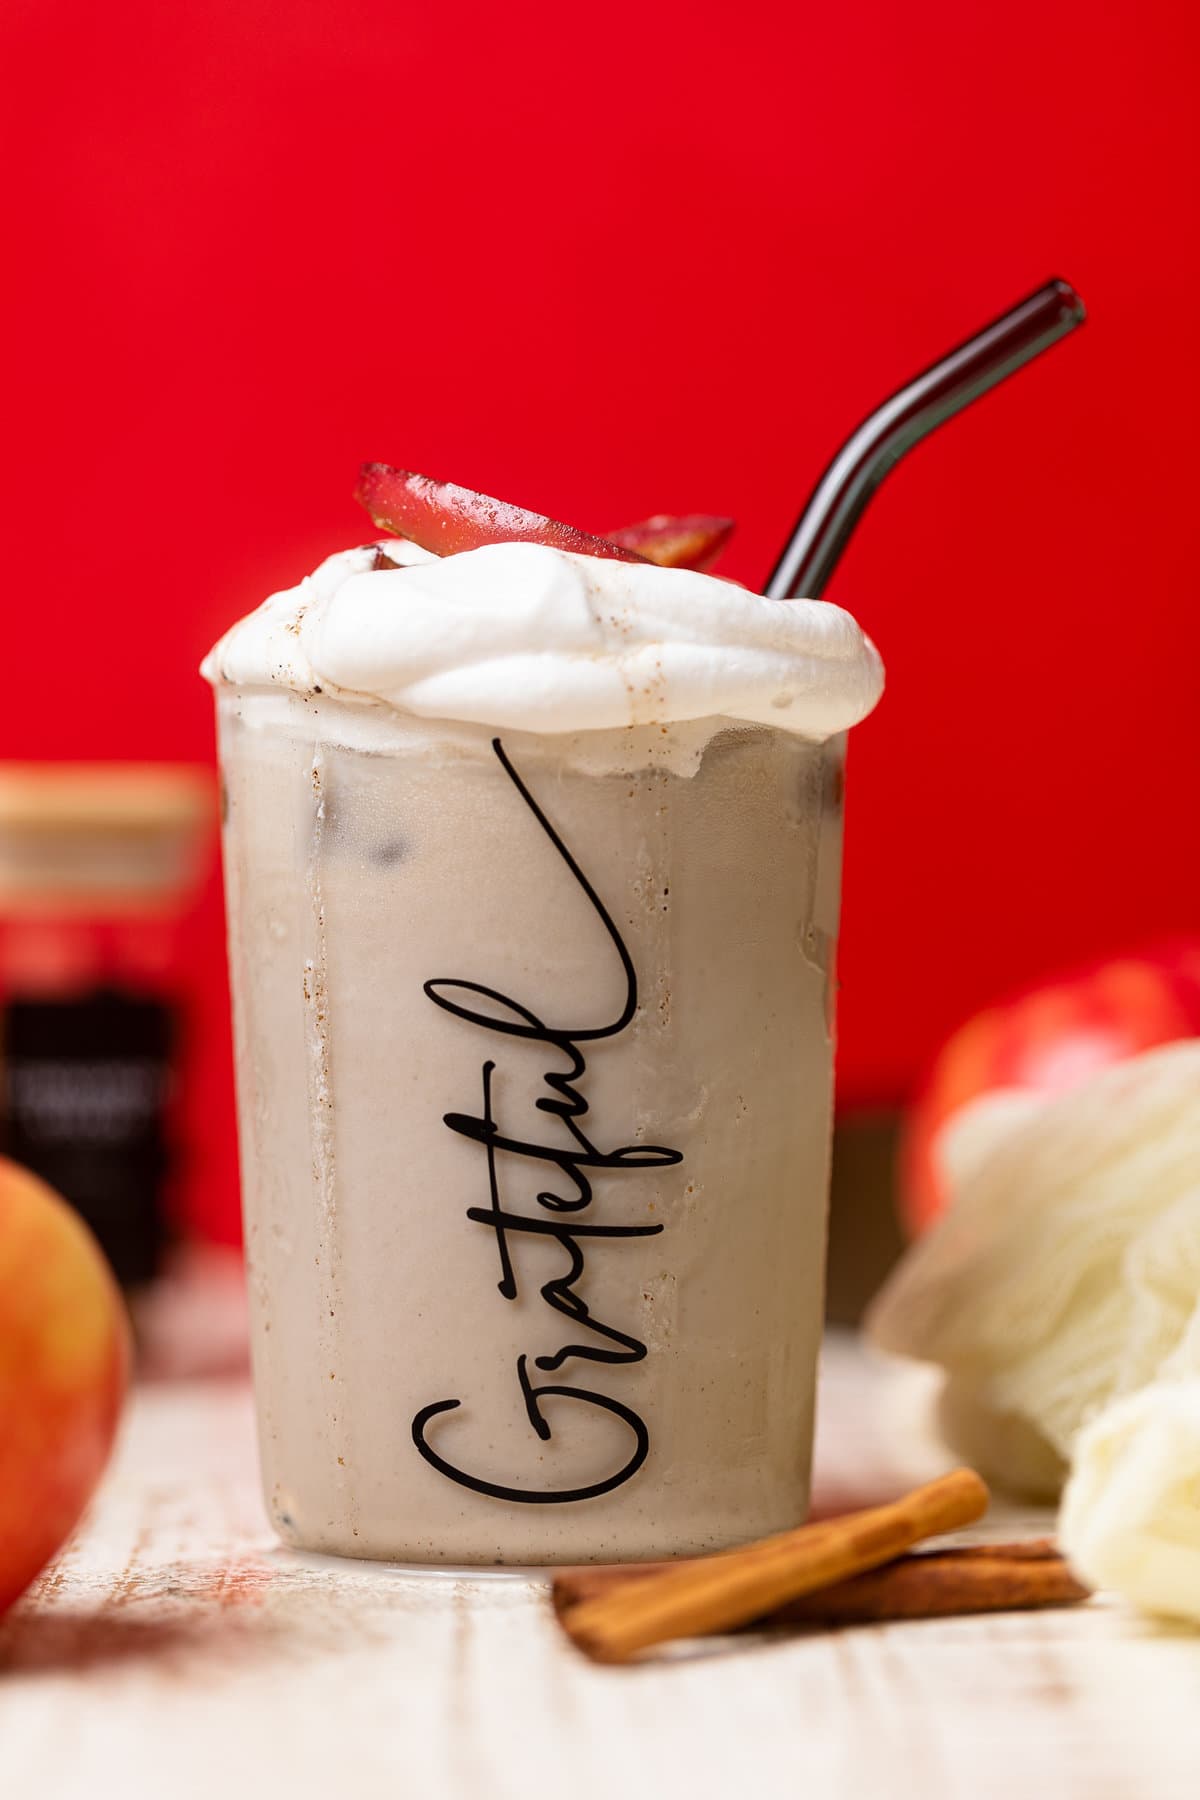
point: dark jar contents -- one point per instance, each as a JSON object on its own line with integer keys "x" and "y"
{"x": 98, "y": 864}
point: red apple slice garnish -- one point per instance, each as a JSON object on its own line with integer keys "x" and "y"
{"x": 445, "y": 518}
{"x": 692, "y": 542}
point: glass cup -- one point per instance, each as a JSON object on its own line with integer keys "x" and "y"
{"x": 534, "y": 1057}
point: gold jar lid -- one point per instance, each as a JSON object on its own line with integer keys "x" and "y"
{"x": 100, "y": 835}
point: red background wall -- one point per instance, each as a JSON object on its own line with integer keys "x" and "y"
{"x": 613, "y": 260}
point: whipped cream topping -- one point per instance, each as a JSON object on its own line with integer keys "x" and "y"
{"x": 523, "y": 637}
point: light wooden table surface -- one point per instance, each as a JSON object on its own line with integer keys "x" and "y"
{"x": 175, "y": 1650}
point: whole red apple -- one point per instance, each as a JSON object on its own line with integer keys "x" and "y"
{"x": 1047, "y": 1039}
{"x": 64, "y": 1367}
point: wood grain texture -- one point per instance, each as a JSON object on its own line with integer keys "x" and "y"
{"x": 175, "y": 1650}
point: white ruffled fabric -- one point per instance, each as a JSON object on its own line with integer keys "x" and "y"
{"x": 1064, "y": 1279}
{"x": 1130, "y": 1516}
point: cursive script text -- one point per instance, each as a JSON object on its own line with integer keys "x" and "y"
{"x": 567, "y": 1168}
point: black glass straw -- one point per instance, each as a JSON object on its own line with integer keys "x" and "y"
{"x": 840, "y": 496}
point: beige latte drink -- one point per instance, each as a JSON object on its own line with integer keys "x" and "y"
{"x": 532, "y": 978}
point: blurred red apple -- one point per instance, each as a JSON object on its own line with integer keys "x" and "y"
{"x": 1047, "y": 1039}
{"x": 64, "y": 1366}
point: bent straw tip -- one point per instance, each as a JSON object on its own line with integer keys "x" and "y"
{"x": 1071, "y": 299}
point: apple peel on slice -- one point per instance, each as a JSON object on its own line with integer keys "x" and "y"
{"x": 444, "y": 518}
{"x": 693, "y": 541}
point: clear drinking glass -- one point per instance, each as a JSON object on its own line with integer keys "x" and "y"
{"x": 534, "y": 1061}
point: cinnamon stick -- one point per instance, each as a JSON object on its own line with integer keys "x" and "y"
{"x": 720, "y": 1593}
{"x": 929, "y": 1584}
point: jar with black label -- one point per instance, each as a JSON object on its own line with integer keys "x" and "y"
{"x": 97, "y": 865}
